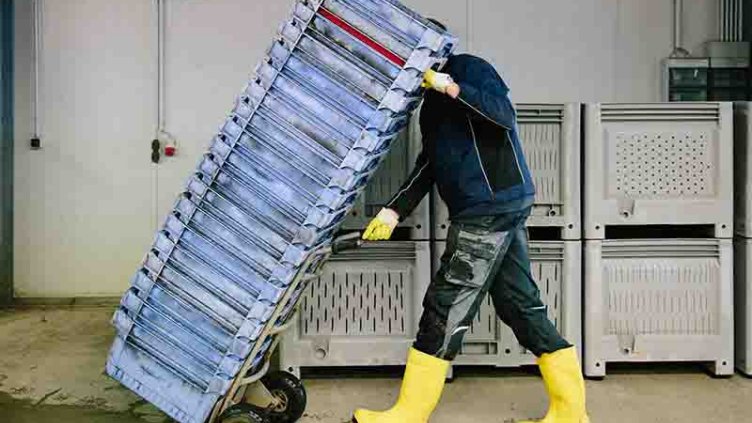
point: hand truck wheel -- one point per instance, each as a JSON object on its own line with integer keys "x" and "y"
{"x": 244, "y": 413}
{"x": 290, "y": 394}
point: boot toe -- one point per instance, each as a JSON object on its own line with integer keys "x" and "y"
{"x": 365, "y": 416}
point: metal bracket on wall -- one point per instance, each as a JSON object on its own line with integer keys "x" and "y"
{"x": 162, "y": 135}
{"x": 35, "y": 143}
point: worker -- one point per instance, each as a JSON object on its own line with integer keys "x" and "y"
{"x": 471, "y": 151}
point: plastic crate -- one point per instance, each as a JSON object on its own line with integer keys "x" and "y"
{"x": 385, "y": 183}
{"x": 743, "y": 304}
{"x": 743, "y": 169}
{"x": 550, "y": 137}
{"x": 659, "y": 300}
{"x": 301, "y": 144}
{"x": 363, "y": 311}
{"x": 658, "y": 164}
{"x": 557, "y": 268}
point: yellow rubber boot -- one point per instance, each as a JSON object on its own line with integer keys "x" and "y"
{"x": 565, "y": 386}
{"x": 421, "y": 390}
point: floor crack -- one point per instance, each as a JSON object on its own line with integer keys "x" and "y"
{"x": 44, "y": 398}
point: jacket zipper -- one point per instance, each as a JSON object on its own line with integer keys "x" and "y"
{"x": 480, "y": 162}
{"x": 516, "y": 160}
{"x": 514, "y": 152}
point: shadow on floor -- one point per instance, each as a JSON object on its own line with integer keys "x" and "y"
{"x": 17, "y": 411}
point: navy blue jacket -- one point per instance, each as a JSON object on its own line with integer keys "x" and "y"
{"x": 471, "y": 148}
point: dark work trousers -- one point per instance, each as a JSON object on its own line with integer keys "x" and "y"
{"x": 485, "y": 255}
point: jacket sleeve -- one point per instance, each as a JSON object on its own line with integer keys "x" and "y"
{"x": 487, "y": 95}
{"x": 417, "y": 185}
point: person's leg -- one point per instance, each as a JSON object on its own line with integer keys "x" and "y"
{"x": 452, "y": 300}
{"x": 474, "y": 251}
{"x": 517, "y": 300}
{"x": 518, "y": 303}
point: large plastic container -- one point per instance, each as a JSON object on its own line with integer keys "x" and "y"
{"x": 363, "y": 311}
{"x": 659, "y": 300}
{"x": 557, "y": 269}
{"x": 658, "y": 164}
{"x": 743, "y": 169}
{"x": 301, "y": 144}
{"x": 743, "y": 304}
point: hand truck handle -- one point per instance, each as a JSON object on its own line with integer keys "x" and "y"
{"x": 346, "y": 242}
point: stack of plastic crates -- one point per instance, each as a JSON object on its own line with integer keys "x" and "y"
{"x": 743, "y": 235}
{"x": 550, "y": 137}
{"x": 362, "y": 310}
{"x": 658, "y": 220}
{"x": 301, "y": 144}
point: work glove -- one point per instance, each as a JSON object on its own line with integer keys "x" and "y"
{"x": 382, "y": 226}
{"x": 441, "y": 82}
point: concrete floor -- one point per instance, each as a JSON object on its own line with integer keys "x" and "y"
{"x": 51, "y": 370}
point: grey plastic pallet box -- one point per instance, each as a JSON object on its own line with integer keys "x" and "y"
{"x": 743, "y": 169}
{"x": 659, "y": 300}
{"x": 363, "y": 311}
{"x": 658, "y": 164}
{"x": 550, "y": 137}
{"x": 557, "y": 268}
{"x": 743, "y": 304}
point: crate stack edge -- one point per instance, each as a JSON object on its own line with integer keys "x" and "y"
{"x": 743, "y": 236}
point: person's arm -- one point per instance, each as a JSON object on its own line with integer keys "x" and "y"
{"x": 488, "y": 96}
{"x": 403, "y": 203}
{"x": 417, "y": 185}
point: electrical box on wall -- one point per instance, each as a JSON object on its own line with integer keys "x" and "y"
{"x": 686, "y": 79}
{"x": 707, "y": 79}
{"x": 729, "y": 79}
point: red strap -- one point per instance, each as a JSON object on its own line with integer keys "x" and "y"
{"x": 355, "y": 32}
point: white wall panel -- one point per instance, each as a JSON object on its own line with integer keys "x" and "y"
{"x": 212, "y": 48}
{"x": 82, "y": 200}
{"x": 584, "y": 50}
{"x": 454, "y": 14}
{"x": 548, "y": 50}
{"x": 644, "y": 38}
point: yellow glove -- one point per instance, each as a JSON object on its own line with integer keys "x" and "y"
{"x": 441, "y": 82}
{"x": 382, "y": 226}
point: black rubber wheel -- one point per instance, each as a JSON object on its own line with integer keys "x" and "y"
{"x": 244, "y": 413}
{"x": 290, "y": 393}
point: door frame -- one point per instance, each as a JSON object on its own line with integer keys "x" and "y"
{"x": 6, "y": 151}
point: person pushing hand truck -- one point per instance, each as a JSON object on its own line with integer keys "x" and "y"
{"x": 472, "y": 152}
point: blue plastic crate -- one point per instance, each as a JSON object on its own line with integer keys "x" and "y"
{"x": 302, "y": 142}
